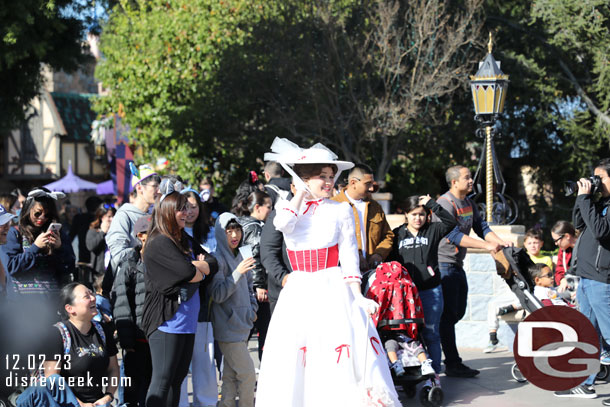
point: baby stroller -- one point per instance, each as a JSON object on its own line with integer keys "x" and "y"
{"x": 401, "y": 311}
{"x": 512, "y": 265}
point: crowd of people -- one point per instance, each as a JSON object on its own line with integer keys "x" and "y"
{"x": 177, "y": 282}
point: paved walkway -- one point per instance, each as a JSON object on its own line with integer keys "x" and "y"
{"x": 494, "y": 387}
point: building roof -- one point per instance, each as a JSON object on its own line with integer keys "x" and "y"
{"x": 76, "y": 114}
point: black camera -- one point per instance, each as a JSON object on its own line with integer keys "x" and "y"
{"x": 569, "y": 187}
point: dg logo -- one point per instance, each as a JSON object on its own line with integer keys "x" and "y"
{"x": 556, "y": 348}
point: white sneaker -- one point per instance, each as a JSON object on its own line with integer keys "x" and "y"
{"x": 426, "y": 367}
{"x": 494, "y": 348}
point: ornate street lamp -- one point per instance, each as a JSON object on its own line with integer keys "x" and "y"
{"x": 489, "y": 87}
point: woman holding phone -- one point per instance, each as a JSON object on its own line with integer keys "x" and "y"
{"x": 38, "y": 256}
{"x": 38, "y": 259}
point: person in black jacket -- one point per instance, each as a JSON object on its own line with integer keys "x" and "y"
{"x": 277, "y": 187}
{"x": 80, "y": 227}
{"x": 253, "y": 213}
{"x": 416, "y": 248}
{"x": 274, "y": 259}
{"x": 592, "y": 262}
{"x": 171, "y": 306}
{"x": 128, "y": 295}
{"x": 95, "y": 240}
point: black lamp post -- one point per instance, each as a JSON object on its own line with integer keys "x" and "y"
{"x": 489, "y": 87}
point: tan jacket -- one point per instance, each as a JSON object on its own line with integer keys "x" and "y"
{"x": 379, "y": 235}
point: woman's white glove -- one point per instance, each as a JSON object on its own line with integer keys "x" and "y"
{"x": 368, "y": 306}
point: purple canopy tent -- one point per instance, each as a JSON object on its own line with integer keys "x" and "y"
{"x": 105, "y": 188}
{"x": 71, "y": 183}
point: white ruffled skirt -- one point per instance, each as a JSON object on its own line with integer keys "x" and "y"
{"x": 318, "y": 351}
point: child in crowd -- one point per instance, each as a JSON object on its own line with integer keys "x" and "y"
{"x": 128, "y": 293}
{"x": 104, "y": 308}
{"x": 544, "y": 290}
{"x": 533, "y": 244}
{"x": 234, "y": 309}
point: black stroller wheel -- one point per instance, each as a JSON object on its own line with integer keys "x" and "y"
{"x": 423, "y": 396}
{"x": 604, "y": 372}
{"x": 436, "y": 397}
{"x": 410, "y": 391}
{"x": 431, "y": 396}
{"x": 517, "y": 375}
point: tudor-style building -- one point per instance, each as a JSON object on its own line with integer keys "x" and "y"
{"x": 56, "y": 130}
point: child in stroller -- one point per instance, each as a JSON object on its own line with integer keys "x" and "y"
{"x": 404, "y": 351}
{"x": 399, "y": 321}
{"x": 527, "y": 281}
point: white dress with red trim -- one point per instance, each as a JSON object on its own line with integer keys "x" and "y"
{"x": 321, "y": 348}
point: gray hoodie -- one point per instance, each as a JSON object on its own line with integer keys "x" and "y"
{"x": 234, "y": 305}
{"x": 120, "y": 238}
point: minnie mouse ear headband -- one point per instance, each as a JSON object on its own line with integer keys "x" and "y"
{"x": 169, "y": 186}
{"x": 288, "y": 154}
{"x": 189, "y": 189}
{"x": 140, "y": 174}
{"x": 39, "y": 193}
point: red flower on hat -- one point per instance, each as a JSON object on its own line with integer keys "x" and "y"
{"x": 253, "y": 177}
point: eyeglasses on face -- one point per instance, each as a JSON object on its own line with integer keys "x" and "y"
{"x": 39, "y": 214}
{"x": 545, "y": 276}
{"x": 559, "y": 239}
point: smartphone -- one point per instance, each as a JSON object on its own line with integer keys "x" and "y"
{"x": 54, "y": 227}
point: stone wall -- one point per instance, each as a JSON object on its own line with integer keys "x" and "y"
{"x": 484, "y": 285}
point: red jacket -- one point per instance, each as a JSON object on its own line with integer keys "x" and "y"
{"x": 562, "y": 264}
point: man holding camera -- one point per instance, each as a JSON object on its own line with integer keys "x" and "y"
{"x": 593, "y": 262}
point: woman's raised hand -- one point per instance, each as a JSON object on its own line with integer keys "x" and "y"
{"x": 42, "y": 240}
{"x": 54, "y": 240}
{"x": 424, "y": 199}
{"x": 245, "y": 265}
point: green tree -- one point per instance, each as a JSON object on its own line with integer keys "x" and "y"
{"x": 161, "y": 66}
{"x": 34, "y": 32}
{"x": 209, "y": 83}
{"x": 548, "y": 123}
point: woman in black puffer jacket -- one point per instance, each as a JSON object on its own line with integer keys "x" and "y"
{"x": 252, "y": 213}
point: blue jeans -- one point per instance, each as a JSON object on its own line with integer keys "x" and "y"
{"x": 594, "y": 302}
{"x": 50, "y": 392}
{"x": 432, "y": 301}
{"x": 455, "y": 297}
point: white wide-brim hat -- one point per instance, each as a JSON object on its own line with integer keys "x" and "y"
{"x": 287, "y": 154}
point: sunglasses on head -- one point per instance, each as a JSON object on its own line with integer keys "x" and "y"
{"x": 108, "y": 205}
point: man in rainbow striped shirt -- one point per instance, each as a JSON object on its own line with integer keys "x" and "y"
{"x": 451, "y": 253}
